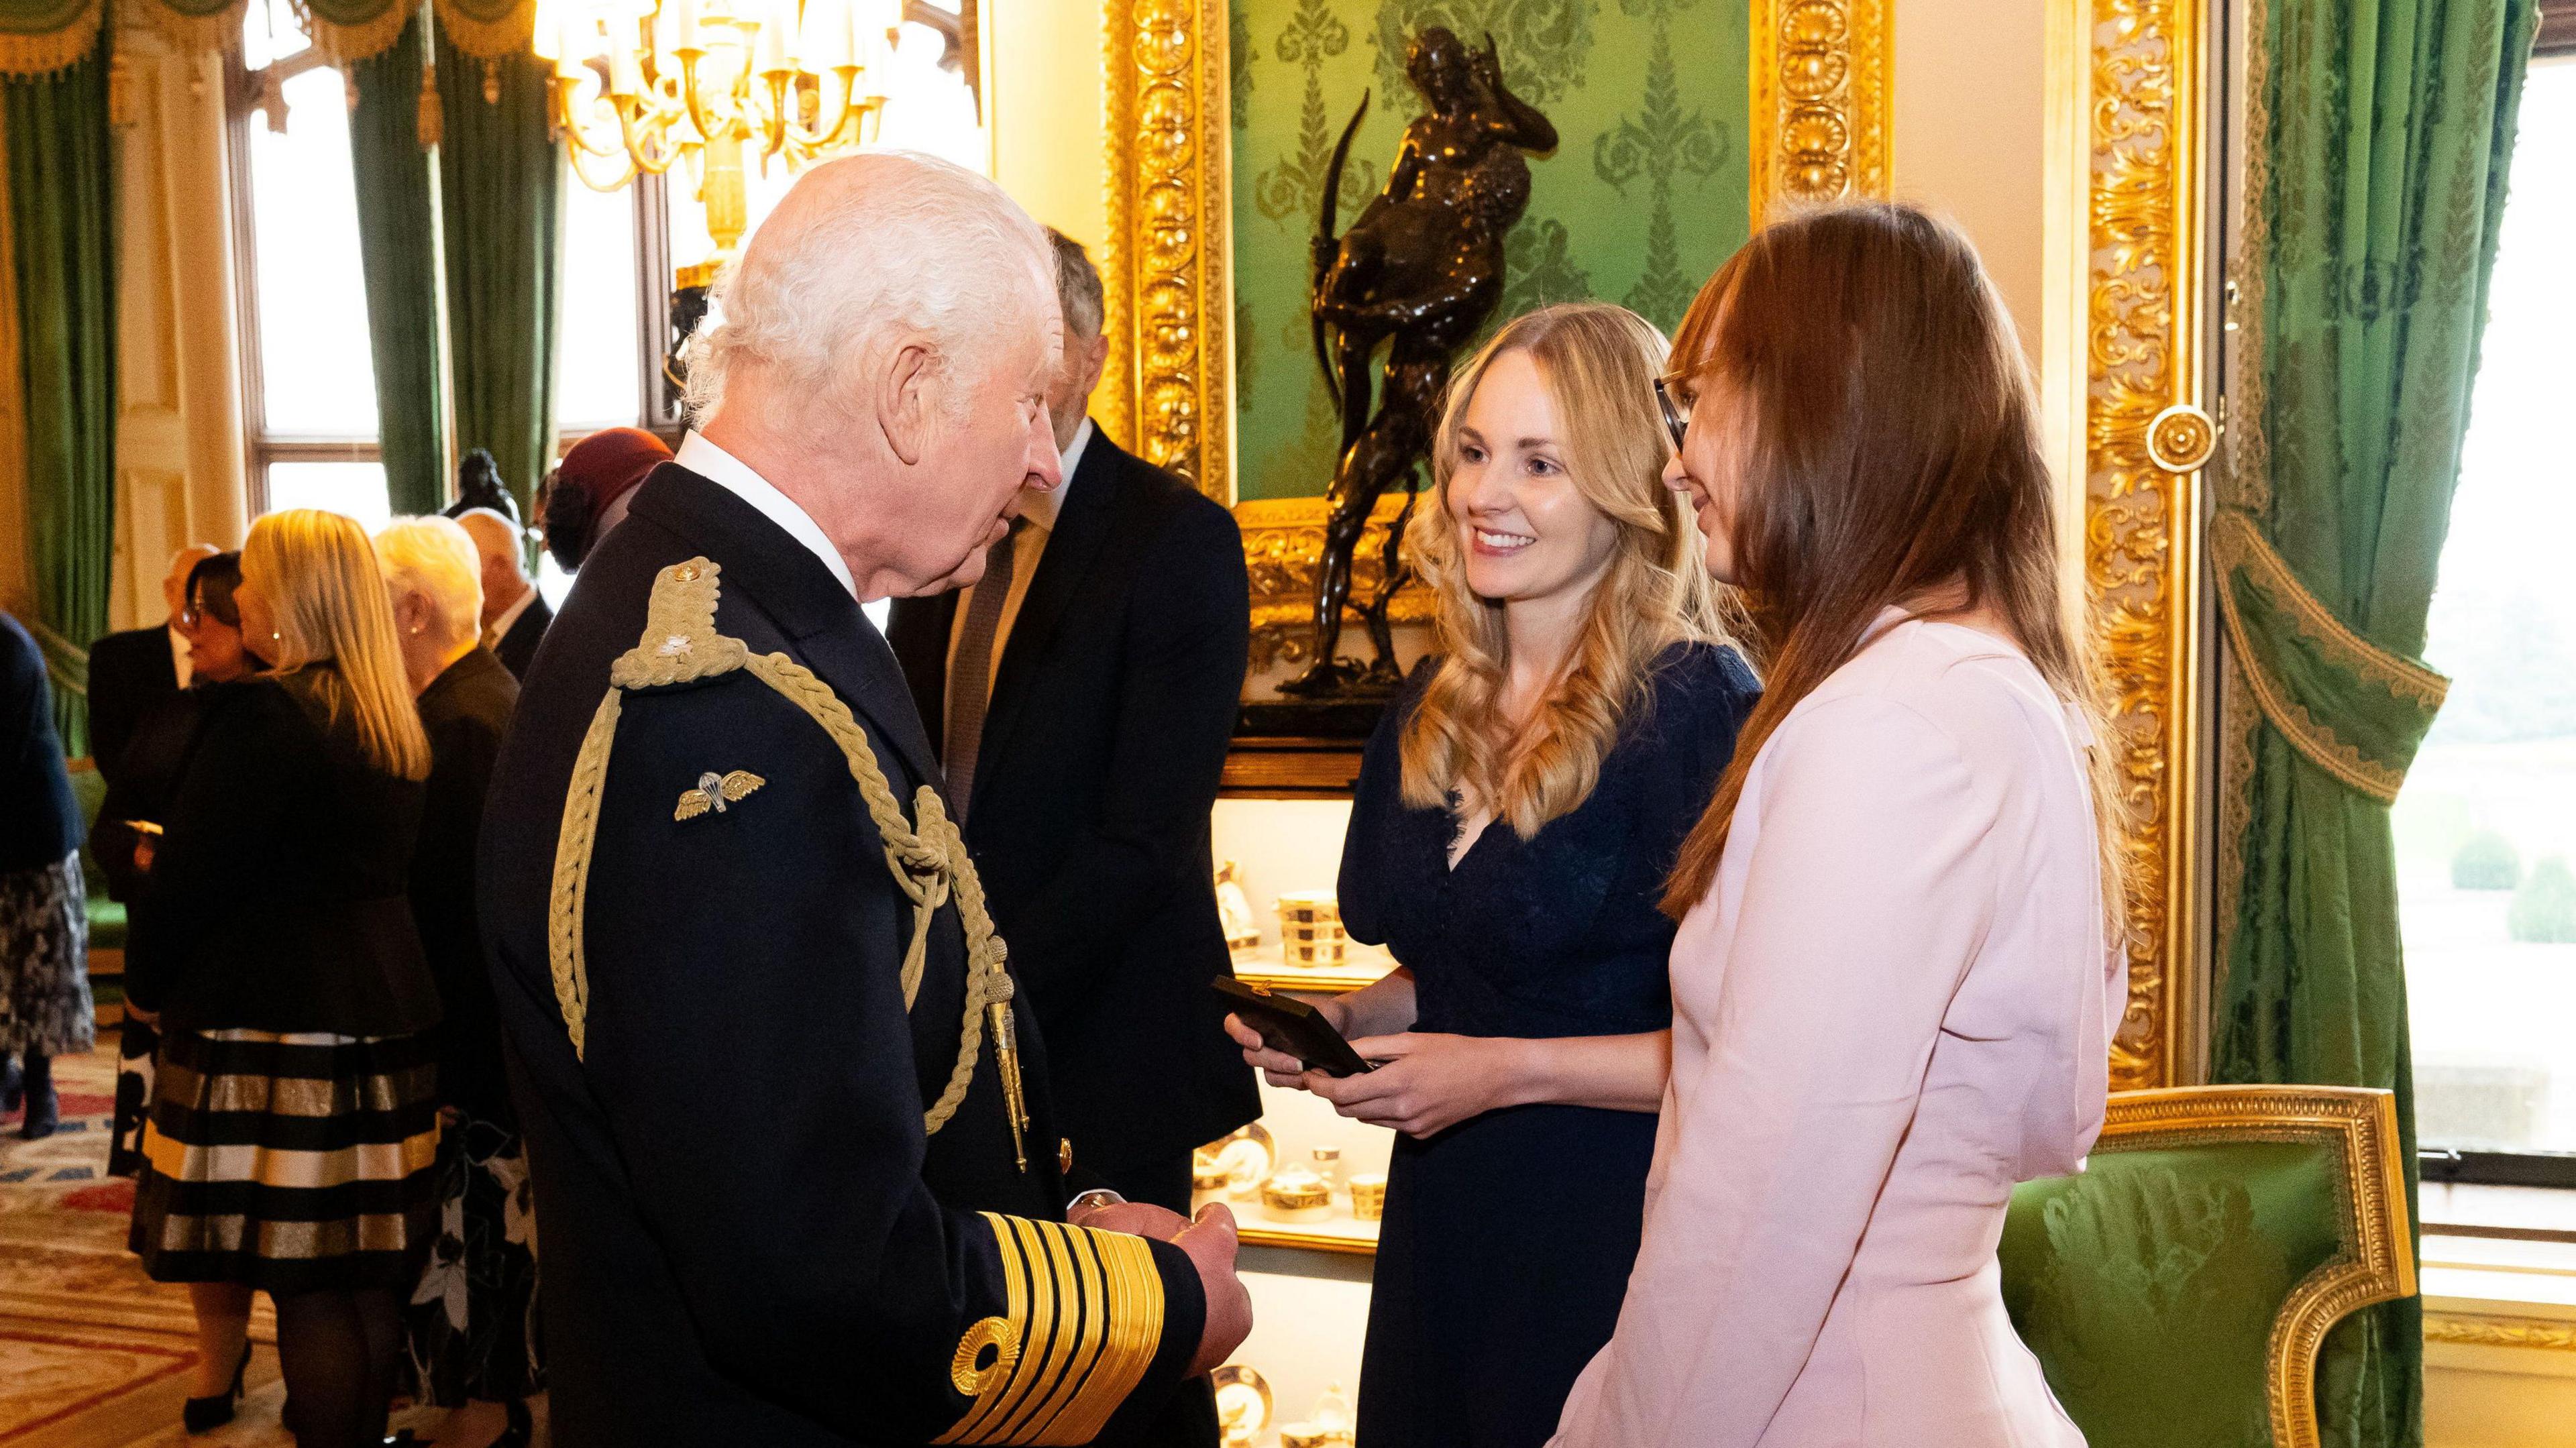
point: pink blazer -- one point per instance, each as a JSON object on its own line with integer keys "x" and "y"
{"x": 1895, "y": 1003}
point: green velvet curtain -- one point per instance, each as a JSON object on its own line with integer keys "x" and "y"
{"x": 501, "y": 203}
{"x": 2378, "y": 149}
{"x": 62, "y": 192}
{"x": 398, "y": 248}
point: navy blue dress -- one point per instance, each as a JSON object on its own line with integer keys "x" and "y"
{"x": 1508, "y": 1238}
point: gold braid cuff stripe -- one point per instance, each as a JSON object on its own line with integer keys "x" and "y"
{"x": 1083, "y": 1319}
{"x": 2378, "y": 1260}
{"x": 929, "y": 861}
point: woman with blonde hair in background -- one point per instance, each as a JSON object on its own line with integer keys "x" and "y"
{"x": 1515, "y": 818}
{"x": 1893, "y": 989}
{"x": 294, "y": 1125}
{"x": 470, "y": 1325}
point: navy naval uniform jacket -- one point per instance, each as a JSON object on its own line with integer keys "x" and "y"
{"x": 749, "y": 1237}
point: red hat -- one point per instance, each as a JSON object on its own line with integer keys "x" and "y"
{"x": 610, "y": 462}
{"x": 599, "y": 470}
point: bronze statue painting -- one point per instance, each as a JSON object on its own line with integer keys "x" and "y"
{"x": 1419, "y": 271}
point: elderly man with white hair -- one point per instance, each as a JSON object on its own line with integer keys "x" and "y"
{"x": 470, "y": 1351}
{"x": 798, "y": 1174}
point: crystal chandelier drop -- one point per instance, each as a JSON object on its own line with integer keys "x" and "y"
{"x": 642, "y": 84}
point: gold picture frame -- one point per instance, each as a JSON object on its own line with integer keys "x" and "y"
{"x": 1820, "y": 89}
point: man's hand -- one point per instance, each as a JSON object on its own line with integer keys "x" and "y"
{"x": 1424, "y": 1083}
{"x": 1136, "y": 1219}
{"x": 1210, "y": 1241}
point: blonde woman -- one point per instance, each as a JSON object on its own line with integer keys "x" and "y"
{"x": 1515, "y": 818}
{"x": 294, "y": 1123}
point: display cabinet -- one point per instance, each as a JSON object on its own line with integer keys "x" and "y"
{"x": 1304, "y": 1183}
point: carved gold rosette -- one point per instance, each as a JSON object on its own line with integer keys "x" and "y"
{"x": 1169, "y": 380}
{"x": 1819, "y": 101}
{"x": 2146, "y": 437}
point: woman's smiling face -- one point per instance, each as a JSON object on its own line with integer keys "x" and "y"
{"x": 1709, "y": 470}
{"x": 1526, "y": 530}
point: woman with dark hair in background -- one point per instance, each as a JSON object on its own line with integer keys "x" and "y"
{"x": 1893, "y": 987}
{"x": 45, "y": 1007}
{"x": 294, "y": 1127}
{"x": 139, "y": 796}
{"x": 471, "y": 1323}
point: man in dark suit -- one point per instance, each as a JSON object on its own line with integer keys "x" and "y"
{"x": 796, "y": 1157}
{"x": 1085, "y": 693}
{"x": 515, "y": 615}
{"x": 133, "y": 671}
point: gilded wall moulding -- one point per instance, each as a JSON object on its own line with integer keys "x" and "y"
{"x": 1168, "y": 388}
{"x": 1283, "y": 545}
{"x": 1820, "y": 128}
{"x": 2146, "y": 365}
{"x": 1820, "y": 80}
{"x": 2477, "y": 1329}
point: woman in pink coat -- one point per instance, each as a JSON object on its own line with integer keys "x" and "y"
{"x": 1892, "y": 992}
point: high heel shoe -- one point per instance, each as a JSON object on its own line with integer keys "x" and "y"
{"x": 205, "y": 1415}
{"x": 521, "y": 1429}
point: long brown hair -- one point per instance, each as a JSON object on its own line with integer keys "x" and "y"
{"x": 1890, "y": 450}
{"x": 1599, "y": 362}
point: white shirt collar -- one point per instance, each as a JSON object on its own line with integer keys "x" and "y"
{"x": 1042, "y": 509}
{"x": 736, "y": 477}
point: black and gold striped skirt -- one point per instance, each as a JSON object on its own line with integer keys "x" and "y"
{"x": 289, "y": 1163}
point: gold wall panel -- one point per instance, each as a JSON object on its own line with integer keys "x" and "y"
{"x": 2145, "y": 436}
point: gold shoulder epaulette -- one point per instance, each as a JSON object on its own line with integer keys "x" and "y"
{"x": 926, "y": 854}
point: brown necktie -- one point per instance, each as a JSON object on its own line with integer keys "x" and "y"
{"x": 970, "y": 674}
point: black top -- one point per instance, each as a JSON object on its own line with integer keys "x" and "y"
{"x": 39, "y": 824}
{"x": 1558, "y": 935}
{"x": 1111, "y": 714}
{"x": 518, "y": 647}
{"x": 142, "y": 788}
{"x": 277, "y": 894}
{"x": 749, "y": 1236}
{"x": 130, "y": 674}
{"x": 465, "y": 711}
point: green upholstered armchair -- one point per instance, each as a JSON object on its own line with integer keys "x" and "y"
{"x": 2177, "y": 1289}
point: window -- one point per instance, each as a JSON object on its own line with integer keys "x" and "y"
{"x": 2486, "y": 828}
{"x": 309, "y": 375}
{"x": 312, "y": 422}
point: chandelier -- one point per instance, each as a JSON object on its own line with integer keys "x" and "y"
{"x": 640, "y": 85}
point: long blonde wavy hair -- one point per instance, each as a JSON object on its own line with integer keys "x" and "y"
{"x": 335, "y": 630}
{"x": 1600, "y": 362}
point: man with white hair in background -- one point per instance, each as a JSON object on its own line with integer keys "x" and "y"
{"x": 796, "y": 1164}
{"x": 515, "y": 615}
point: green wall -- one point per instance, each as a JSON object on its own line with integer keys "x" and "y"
{"x": 1644, "y": 196}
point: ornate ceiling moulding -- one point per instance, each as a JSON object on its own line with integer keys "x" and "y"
{"x": 1169, "y": 390}
{"x": 1820, "y": 71}
{"x": 2147, "y": 435}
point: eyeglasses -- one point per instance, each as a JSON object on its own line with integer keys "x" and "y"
{"x": 1676, "y": 413}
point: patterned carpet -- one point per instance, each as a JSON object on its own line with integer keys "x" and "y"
{"x": 93, "y": 1354}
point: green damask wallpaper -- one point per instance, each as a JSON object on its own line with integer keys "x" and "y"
{"x": 1643, "y": 198}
